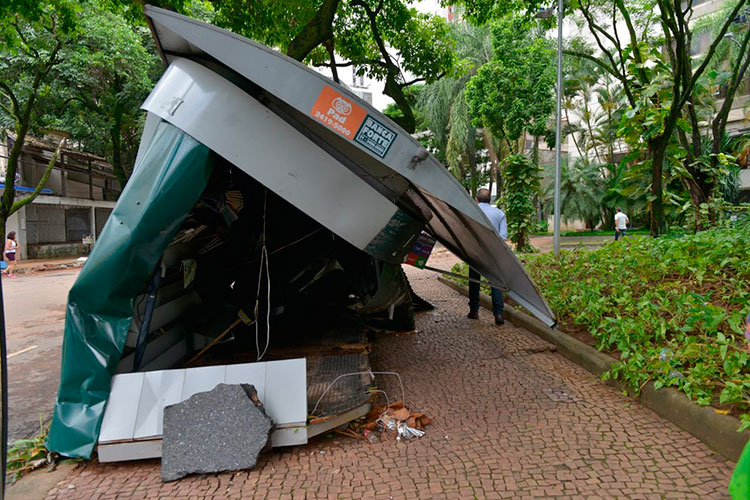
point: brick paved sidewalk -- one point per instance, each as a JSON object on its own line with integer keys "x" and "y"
{"x": 512, "y": 419}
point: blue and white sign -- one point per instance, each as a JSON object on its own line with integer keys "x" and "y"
{"x": 375, "y": 136}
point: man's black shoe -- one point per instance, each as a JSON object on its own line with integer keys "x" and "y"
{"x": 499, "y": 319}
{"x": 473, "y": 315}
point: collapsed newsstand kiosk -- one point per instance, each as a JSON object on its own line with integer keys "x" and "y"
{"x": 266, "y": 218}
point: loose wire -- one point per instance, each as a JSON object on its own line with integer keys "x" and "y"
{"x": 263, "y": 260}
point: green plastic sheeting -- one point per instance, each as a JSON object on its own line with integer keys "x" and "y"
{"x": 164, "y": 187}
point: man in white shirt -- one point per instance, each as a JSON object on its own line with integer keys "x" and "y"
{"x": 621, "y": 224}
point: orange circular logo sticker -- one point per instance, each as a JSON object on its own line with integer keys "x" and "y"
{"x": 341, "y": 106}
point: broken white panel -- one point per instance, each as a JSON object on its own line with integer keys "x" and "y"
{"x": 289, "y": 436}
{"x": 286, "y": 401}
{"x": 118, "y": 423}
{"x": 160, "y": 389}
{"x": 239, "y": 374}
{"x": 202, "y": 379}
{"x": 132, "y": 424}
{"x": 133, "y": 450}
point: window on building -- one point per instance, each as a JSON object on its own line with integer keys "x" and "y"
{"x": 77, "y": 224}
{"x": 357, "y": 80}
{"x": 366, "y": 96}
{"x": 700, "y": 43}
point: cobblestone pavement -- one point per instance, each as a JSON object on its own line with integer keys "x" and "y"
{"x": 512, "y": 419}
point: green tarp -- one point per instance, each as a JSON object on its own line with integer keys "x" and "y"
{"x": 164, "y": 187}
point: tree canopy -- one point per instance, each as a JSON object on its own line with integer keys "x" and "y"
{"x": 101, "y": 86}
{"x": 647, "y": 92}
{"x": 34, "y": 42}
{"x": 648, "y": 49}
{"x": 446, "y": 110}
{"x": 383, "y": 39}
{"x": 514, "y": 92}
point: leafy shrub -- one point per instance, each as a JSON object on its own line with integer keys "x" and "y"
{"x": 26, "y": 455}
{"x": 541, "y": 227}
{"x": 672, "y": 307}
{"x": 521, "y": 185}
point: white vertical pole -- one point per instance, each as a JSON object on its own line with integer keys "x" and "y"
{"x": 93, "y": 223}
{"x": 558, "y": 125}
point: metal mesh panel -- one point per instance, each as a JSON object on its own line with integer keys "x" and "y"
{"x": 347, "y": 393}
{"x": 45, "y": 224}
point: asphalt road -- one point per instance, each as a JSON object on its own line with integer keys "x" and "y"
{"x": 34, "y": 321}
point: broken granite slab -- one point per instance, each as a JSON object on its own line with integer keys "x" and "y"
{"x": 223, "y": 429}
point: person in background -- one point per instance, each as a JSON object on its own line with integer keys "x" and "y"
{"x": 500, "y": 224}
{"x": 621, "y": 224}
{"x": 11, "y": 248}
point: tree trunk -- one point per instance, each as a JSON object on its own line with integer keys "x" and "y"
{"x": 23, "y": 123}
{"x": 501, "y": 154}
{"x": 332, "y": 56}
{"x": 115, "y": 134}
{"x": 520, "y": 241}
{"x": 315, "y": 32}
{"x": 396, "y": 92}
{"x": 573, "y": 135}
{"x": 606, "y": 219}
{"x": 610, "y": 144}
{"x": 472, "y": 156}
{"x": 697, "y": 198}
{"x": 657, "y": 148}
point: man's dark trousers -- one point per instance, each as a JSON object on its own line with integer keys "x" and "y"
{"x": 497, "y": 295}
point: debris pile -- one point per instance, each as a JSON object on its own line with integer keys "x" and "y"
{"x": 391, "y": 422}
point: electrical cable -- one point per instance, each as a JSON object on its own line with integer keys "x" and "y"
{"x": 268, "y": 305}
{"x": 263, "y": 260}
{"x": 296, "y": 241}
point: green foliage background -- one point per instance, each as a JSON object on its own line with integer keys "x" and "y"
{"x": 673, "y": 308}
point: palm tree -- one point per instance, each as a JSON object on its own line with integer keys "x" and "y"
{"x": 582, "y": 192}
{"x": 446, "y": 111}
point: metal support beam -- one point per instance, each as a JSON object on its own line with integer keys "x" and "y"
{"x": 91, "y": 182}
{"x": 63, "y": 191}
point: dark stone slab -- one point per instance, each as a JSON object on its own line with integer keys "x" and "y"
{"x": 220, "y": 430}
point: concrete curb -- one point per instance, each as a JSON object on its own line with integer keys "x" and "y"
{"x": 718, "y": 432}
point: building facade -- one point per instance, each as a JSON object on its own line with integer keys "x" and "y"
{"x": 66, "y": 217}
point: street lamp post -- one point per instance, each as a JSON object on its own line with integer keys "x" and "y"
{"x": 558, "y": 127}
{"x": 544, "y": 14}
